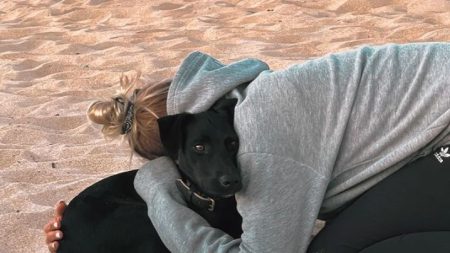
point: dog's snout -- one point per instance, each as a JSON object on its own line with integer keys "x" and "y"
{"x": 229, "y": 181}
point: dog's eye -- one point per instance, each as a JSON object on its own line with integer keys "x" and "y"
{"x": 199, "y": 148}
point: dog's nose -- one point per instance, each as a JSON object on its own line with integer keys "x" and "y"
{"x": 229, "y": 181}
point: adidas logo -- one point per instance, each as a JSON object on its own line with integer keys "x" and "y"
{"x": 442, "y": 154}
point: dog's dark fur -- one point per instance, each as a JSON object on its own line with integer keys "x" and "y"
{"x": 110, "y": 217}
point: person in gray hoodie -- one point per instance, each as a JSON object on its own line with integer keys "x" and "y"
{"x": 313, "y": 138}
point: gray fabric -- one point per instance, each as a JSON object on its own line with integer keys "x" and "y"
{"x": 312, "y": 137}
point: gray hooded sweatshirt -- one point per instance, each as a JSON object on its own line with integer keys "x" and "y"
{"x": 312, "y": 137}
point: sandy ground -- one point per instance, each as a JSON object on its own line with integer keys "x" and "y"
{"x": 56, "y": 57}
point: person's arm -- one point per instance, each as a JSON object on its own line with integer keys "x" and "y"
{"x": 278, "y": 208}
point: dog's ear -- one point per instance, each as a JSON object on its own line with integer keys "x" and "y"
{"x": 171, "y": 133}
{"x": 225, "y": 106}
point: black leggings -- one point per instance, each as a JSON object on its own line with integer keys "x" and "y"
{"x": 408, "y": 211}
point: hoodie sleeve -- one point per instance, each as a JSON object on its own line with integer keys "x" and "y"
{"x": 281, "y": 218}
{"x": 271, "y": 221}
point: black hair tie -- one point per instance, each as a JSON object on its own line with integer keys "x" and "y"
{"x": 129, "y": 114}
{"x": 128, "y": 122}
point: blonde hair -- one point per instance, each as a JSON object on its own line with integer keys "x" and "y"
{"x": 149, "y": 104}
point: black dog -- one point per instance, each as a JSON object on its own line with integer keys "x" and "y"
{"x": 204, "y": 146}
{"x": 110, "y": 216}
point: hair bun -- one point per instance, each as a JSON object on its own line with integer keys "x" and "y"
{"x": 110, "y": 114}
{"x": 145, "y": 103}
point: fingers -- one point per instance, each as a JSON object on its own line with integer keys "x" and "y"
{"x": 51, "y": 229}
{"x": 59, "y": 208}
{"x": 51, "y": 240}
{"x": 52, "y": 224}
{"x": 53, "y": 236}
{"x": 55, "y": 223}
{"x": 53, "y": 247}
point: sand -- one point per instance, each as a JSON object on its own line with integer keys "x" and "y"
{"x": 56, "y": 57}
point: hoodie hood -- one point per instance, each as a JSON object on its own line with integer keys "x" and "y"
{"x": 201, "y": 80}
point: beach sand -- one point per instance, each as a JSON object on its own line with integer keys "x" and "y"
{"x": 56, "y": 57}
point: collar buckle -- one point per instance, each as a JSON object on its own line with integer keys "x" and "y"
{"x": 193, "y": 197}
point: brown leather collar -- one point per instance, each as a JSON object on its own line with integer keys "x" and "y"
{"x": 193, "y": 197}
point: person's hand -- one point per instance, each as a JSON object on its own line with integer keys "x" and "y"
{"x": 52, "y": 229}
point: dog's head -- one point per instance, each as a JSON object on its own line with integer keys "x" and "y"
{"x": 204, "y": 145}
